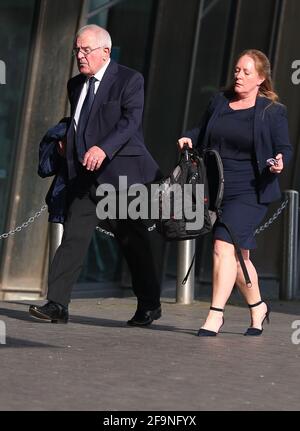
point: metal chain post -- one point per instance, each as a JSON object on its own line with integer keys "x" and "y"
{"x": 289, "y": 262}
{"x": 273, "y": 218}
{"x": 25, "y": 224}
{"x": 184, "y": 294}
{"x": 150, "y": 229}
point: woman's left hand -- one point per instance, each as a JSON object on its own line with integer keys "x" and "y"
{"x": 276, "y": 169}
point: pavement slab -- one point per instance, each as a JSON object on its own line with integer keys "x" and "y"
{"x": 96, "y": 362}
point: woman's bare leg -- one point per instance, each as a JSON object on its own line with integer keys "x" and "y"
{"x": 251, "y": 294}
{"x": 224, "y": 276}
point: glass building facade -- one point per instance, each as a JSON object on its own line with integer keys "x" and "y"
{"x": 16, "y": 25}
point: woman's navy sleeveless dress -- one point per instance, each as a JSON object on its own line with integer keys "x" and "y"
{"x": 232, "y": 136}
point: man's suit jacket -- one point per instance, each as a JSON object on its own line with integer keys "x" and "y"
{"x": 271, "y": 136}
{"x": 115, "y": 125}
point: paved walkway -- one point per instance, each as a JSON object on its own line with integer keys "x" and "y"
{"x": 97, "y": 362}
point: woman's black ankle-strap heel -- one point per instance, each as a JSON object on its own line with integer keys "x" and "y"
{"x": 206, "y": 332}
{"x": 256, "y": 331}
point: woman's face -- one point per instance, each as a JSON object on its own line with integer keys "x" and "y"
{"x": 246, "y": 78}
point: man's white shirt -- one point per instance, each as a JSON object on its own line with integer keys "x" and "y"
{"x": 98, "y": 76}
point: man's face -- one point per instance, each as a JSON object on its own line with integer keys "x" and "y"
{"x": 92, "y": 56}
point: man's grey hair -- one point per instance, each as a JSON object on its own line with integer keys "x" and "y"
{"x": 102, "y": 35}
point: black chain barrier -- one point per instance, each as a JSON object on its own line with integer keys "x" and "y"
{"x": 150, "y": 229}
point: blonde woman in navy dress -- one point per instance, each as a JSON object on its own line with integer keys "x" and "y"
{"x": 248, "y": 126}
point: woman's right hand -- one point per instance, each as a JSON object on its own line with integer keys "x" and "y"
{"x": 184, "y": 141}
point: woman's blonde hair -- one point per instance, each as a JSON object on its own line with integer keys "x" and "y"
{"x": 263, "y": 68}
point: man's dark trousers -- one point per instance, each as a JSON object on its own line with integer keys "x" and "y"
{"x": 79, "y": 227}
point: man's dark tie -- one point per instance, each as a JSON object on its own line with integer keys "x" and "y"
{"x": 83, "y": 118}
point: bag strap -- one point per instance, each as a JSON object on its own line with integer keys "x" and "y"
{"x": 239, "y": 255}
{"x": 189, "y": 270}
{"x": 238, "y": 252}
{"x": 188, "y": 152}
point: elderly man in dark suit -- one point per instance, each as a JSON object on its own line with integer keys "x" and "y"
{"x": 104, "y": 141}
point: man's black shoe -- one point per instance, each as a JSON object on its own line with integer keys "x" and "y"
{"x": 53, "y": 312}
{"x": 145, "y": 317}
